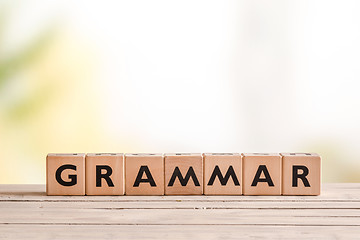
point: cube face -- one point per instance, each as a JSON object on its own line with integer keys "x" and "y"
{"x": 222, "y": 174}
{"x": 261, "y": 174}
{"x": 105, "y": 174}
{"x": 301, "y": 174}
{"x": 183, "y": 174}
{"x": 65, "y": 174}
{"x": 144, "y": 174}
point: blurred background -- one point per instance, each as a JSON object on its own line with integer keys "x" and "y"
{"x": 184, "y": 76}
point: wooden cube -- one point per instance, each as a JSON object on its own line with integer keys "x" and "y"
{"x": 183, "y": 174}
{"x": 222, "y": 174}
{"x": 261, "y": 174}
{"x": 65, "y": 174}
{"x": 301, "y": 173}
{"x": 144, "y": 174}
{"x": 105, "y": 174}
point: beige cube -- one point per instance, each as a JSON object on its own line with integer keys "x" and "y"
{"x": 144, "y": 174}
{"x": 261, "y": 174}
{"x": 65, "y": 174}
{"x": 183, "y": 174}
{"x": 222, "y": 174}
{"x": 301, "y": 174}
{"x": 105, "y": 174}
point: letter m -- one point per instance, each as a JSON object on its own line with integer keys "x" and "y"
{"x": 223, "y": 180}
{"x": 183, "y": 181}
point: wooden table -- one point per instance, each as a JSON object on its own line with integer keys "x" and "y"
{"x": 27, "y": 213}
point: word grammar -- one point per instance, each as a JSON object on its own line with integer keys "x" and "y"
{"x": 183, "y": 174}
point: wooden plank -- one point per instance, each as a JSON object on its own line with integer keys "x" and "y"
{"x": 176, "y": 232}
{"x": 179, "y": 205}
{"x": 308, "y": 217}
{"x": 27, "y": 213}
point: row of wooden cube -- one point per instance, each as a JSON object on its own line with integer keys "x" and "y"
{"x": 184, "y": 174}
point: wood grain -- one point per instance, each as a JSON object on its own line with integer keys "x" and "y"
{"x": 112, "y": 162}
{"x": 27, "y": 213}
{"x": 224, "y": 163}
{"x": 261, "y": 163}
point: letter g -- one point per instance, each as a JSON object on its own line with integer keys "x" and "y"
{"x": 73, "y": 178}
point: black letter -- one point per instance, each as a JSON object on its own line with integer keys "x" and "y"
{"x": 177, "y": 173}
{"x": 223, "y": 180}
{"x": 73, "y": 178}
{"x": 105, "y": 176}
{"x": 149, "y": 179}
{"x": 262, "y": 168}
{"x": 302, "y": 176}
